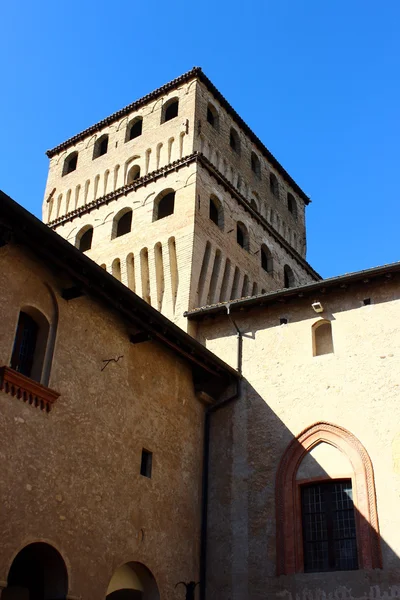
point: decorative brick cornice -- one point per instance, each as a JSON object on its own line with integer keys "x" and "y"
{"x": 288, "y": 512}
{"x": 179, "y": 164}
{"x": 24, "y": 388}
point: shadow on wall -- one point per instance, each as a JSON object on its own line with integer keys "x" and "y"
{"x": 292, "y": 516}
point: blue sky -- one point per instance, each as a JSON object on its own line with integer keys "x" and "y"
{"x": 318, "y": 82}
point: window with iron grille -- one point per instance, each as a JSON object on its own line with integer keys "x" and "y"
{"x": 329, "y": 531}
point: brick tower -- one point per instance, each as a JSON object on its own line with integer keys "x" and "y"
{"x": 177, "y": 197}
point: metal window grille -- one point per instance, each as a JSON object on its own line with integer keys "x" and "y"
{"x": 329, "y": 531}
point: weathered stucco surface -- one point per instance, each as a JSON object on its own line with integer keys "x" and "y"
{"x": 288, "y": 389}
{"x": 71, "y": 477}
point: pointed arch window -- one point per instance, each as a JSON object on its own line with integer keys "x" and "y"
{"x": 320, "y": 527}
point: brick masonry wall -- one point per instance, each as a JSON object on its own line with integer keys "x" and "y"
{"x": 287, "y": 389}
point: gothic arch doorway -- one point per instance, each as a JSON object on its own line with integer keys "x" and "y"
{"x": 133, "y": 581}
{"x": 38, "y": 572}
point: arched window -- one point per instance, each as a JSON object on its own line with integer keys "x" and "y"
{"x": 134, "y": 129}
{"x": 215, "y": 212}
{"x": 164, "y": 205}
{"x": 122, "y": 223}
{"x": 253, "y": 204}
{"x": 242, "y": 235}
{"x": 322, "y": 469}
{"x": 212, "y": 116}
{"x": 30, "y": 343}
{"x": 84, "y": 238}
{"x": 322, "y": 337}
{"x": 70, "y": 163}
{"x": 170, "y": 110}
{"x": 291, "y": 204}
{"x": 273, "y": 185}
{"x": 100, "y": 146}
{"x": 266, "y": 259}
{"x": 288, "y": 277}
{"x": 133, "y": 174}
{"x": 38, "y": 571}
{"x": 255, "y": 165}
{"x": 234, "y": 141}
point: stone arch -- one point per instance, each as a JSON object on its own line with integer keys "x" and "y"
{"x": 133, "y": 581}
{"x": 288, "y": 512}
{"x": 37, "y": 570}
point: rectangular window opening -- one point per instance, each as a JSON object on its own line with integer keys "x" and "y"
{"x": 146, "y": 463}
{"x": 367, "y": 301}
{"x": 329, "y": 530}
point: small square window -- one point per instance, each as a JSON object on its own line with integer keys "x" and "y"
{"x": 367, "y": 301}
{"x": 146, "y": 463}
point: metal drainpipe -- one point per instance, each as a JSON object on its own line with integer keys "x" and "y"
{"x": 206, "y": 455}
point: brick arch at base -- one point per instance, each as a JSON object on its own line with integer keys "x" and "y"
{"x": 288, "y": 510}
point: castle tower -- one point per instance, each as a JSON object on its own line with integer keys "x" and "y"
{"x": 177, "y": 197}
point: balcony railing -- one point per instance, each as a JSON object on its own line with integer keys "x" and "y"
{"x": 26, "y": 389}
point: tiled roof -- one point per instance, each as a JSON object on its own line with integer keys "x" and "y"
{"x": 341, "y": 281}
{"x": 193, "y": 73}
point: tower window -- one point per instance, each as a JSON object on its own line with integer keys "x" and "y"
{"x": 242, "y": 236}
{"x": 101, "y": 146}
{"x": 234, "y": 141}
{"x": 146, "y": 463}
{"x": 133, "y": 174}
{"x": 273, "y": 185}
{"x": 329, "y": 529}
{"x": 255, "y": 165}
{"x": 266, "y": 259}
{"x": 288, "y": 277}
{"x": 216, "y": 214}
{"x": 124, "y": 224}
{"x": 212, "y": 116}
{"x": 84, "y": 239}
{"x": 164, "y": 206}
{"x": 134, "y": 129}
{"x": 70, "y": 163}
{"x": 292, "y": 206}
{"x": 170, "y": 110}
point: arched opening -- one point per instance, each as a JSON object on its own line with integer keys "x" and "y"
{"x": 322, "y": 456}
{"x": 133, "y": 174}
{"x": 266, "y": 259}
{"x": 38, "y": 572}
{"x": 291, "y": 204}
{"x": 134, "y": 129}
{"x": 164, "y": 205}
{"x": 234, "y": 141}
{"x": 122, "y": 223}
{"x": 212, "y": 116}
{"x": 170, "y": 110}
{"x": 133, "y": 581}
{"x": 255, "y": 165}
{"x": 215, "y": 212}
{"x": 288, "y": 277}
{"x": 242, "y": 235}
{"x": 254, "y": 204}
{"x": 84, "y": 238}
{"x": 322, "y": 337}
{"x": 30, "y": 343}
{"x": 100, "y": 146}
{"x": 273, "y": 185}
{"x": 70, "y": 163}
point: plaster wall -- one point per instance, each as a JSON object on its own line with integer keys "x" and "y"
{"x": 71, "y": 477}
{"x": 286, "y": 390}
